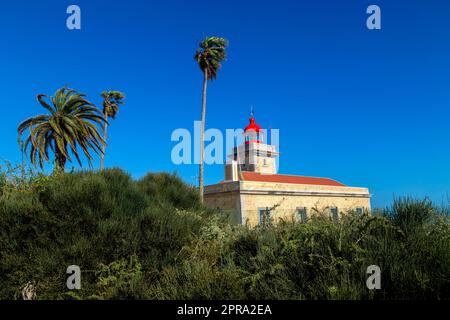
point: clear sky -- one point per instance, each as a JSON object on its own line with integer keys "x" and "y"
{"x": 367, "y": 108}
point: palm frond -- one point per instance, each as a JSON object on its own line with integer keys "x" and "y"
{"x": 72, "y": 123}
{"x": 210, "y": 54}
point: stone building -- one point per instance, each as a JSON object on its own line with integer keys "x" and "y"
{"x": 253, "y": 192}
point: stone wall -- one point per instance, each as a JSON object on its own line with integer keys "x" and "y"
{"x": 224, "y": 197}
{"x": 246, "y": 197}
{"x": 286, "y": 198}
{"x": 285, "y": 206}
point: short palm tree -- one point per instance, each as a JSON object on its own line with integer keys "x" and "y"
{"x": 71, "y": 123}
{"x": 209, "y": 55}
{"x": 111, "y": 102}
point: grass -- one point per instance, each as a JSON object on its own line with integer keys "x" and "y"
{"x": 152, "y": 239}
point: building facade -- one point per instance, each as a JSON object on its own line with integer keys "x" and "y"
{"x": 254, "y": 193}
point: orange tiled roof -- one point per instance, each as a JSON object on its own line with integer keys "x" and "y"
{"x": 281, "y": 178}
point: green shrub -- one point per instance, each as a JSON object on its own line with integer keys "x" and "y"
{"x": 88, "y": 219}
{"x": 152, "y": 239}
{"x": 164, "y": 188}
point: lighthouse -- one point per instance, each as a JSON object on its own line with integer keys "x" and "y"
{"x": 254, "y": 155}
{"x": 254, "y": 192}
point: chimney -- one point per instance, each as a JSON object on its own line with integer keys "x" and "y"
{"x": 231, "y": 171}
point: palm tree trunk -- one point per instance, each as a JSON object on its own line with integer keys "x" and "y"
{"x": 202, "y": 136}
{"x": 102, "y": 156}
{"x": 60, "y": 160}
{"x": 22, "y": 151}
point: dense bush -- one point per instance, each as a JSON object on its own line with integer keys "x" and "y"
{"x": 316, "y": 260}
{"x": 91, "y": 220}
{"x": 151, "y": 239}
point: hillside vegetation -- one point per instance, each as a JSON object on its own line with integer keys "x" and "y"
{"x": 151, "y": 239}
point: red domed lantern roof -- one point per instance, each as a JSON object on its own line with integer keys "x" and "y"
{"x": 253, "y": 126}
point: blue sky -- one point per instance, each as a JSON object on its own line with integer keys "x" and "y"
{"x": 367, "y": 108}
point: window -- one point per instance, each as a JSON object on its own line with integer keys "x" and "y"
{"x": 334, "y": 213}
{"x": 264, "y": 216}
{"x": 302, "y": 214}
{"x": 359, "y": 210}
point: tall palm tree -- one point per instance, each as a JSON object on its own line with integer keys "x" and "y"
{"x": 209, "y": 55}
{"x": 71, "y": 123}
{"x": 111, "y": 102}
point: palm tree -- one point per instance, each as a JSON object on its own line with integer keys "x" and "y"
{"x": 208, "y": 56}
{"x": 71, "y": 123}
{"x": 111, "y": 102}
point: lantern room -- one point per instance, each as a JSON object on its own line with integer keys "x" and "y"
{"x": 253, "y": 132}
